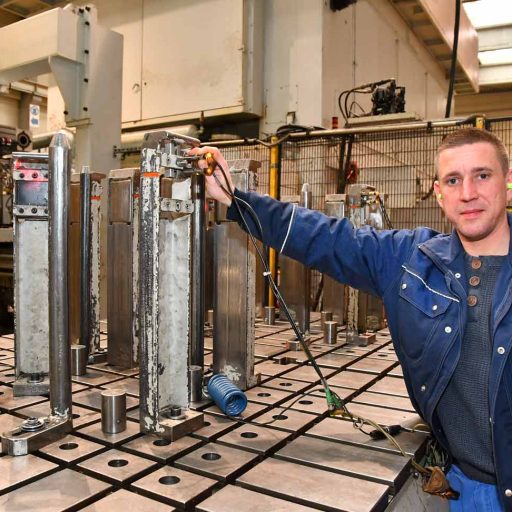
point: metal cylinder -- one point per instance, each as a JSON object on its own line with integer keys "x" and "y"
{"x": 58, "y": 199}
{"x": 113, "y": 411}
{"x": 85, "y": 259}
{"x": 197, "y": 270}
{"x": 330, "y": 332}
{"x": 79, "y": 356}
{"x": 325, "y": 316}
{"x": 196, "y": 383}
{"x": 270, "y": 315}
{"x": 303, "y": 313}
{"x": 210, "y": 317}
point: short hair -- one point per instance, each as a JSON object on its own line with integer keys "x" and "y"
{"x": 466, "y": 136}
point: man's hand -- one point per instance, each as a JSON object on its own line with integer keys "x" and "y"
{"x": 212, "y": 186}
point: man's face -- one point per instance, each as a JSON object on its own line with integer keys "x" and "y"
{"x": 473, "y": 189}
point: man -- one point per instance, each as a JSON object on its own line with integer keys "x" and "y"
{"x": 447, "y": 298}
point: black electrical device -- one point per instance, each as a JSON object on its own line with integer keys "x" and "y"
{"x": 338, "y": 5}
{"x": 388, "y": 99}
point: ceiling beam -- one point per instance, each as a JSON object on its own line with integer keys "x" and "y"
{"x": 494, "y": 38}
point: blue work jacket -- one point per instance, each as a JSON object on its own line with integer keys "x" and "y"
{"x": 419, "y": 275}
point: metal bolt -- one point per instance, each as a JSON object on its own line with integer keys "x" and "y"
{"x": 35, "y": 175}
{"x": 32, "y": 425}
{"x": 34, "y": 210}
{"x": 22, "y": 175}
{"x": 35, "y": 377}
{"x": 21, "y": 210}
{"x": 175, "y": 411}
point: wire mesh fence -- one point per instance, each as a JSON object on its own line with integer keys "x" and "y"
{"x": 399, "y": 163}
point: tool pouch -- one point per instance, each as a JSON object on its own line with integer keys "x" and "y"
{"x": 435, "y": 482}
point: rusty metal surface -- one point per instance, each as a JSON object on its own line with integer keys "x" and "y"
{"x": 71, "y": 449}
{"x": 350, "y": 470}
{"x": 255, "y": 438}
{"x": 175, "y": 486}
{"x": 161, "y": 450}
{"x": 335, "y": 429}
{"x": 122, "y": 500}
{"x": 236, "y": 499}
{"x": 15, "y": 471}
{"x": 386, "y": 468}
{"x": 315, "y": 487}
{"x": 67, "y": 489}
{"x": 213, "y": 460}
{"x": 116, "y": 466}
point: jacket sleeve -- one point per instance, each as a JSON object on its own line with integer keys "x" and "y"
{"x": 362, "y": 258}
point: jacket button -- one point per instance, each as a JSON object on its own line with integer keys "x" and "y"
{"x": 474, "y": 280}
{"x": 434, "y": 307}
{"x": 457, "y": 275}
{"x": 476, "y": 263}
{"x": 423, "y": 388}
{"x": 508, "y": 493}
{"x": 447, "y": 329}
{"x": 404, "y": 286}
{"x": 472, "y": 300}
{"x": 501, "y": 350}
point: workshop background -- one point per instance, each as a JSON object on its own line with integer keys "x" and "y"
{"x": 314, "y": 100}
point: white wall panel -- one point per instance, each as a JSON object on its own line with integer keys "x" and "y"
{"x": 192, "y": 56}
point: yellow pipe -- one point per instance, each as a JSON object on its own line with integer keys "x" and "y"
{"x": 273, "y": 192}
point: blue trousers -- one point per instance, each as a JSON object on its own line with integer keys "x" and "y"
{"x": 474, "y": 496}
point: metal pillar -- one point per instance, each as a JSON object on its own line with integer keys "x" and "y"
{"x": 295, "y": 277}
{"x": 30, "y": 216}
{"x": 364, "y": 312}
{"x": 234, "y": 289}
{"x": 334, "y": 292}
{"x": 275, "y": 168}
{"x": 165, "y": 298}
{"x": 84, "y": 259}
{"x": 34, "y": 433}
{"x": 123, "y": 267}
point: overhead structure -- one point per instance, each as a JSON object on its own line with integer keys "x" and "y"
{"x": 432, "y": 22}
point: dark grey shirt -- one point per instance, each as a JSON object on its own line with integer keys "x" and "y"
{"x": 463, "y": 410}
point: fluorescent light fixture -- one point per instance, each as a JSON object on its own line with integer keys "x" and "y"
{"x": 489, "y": 13}
{"x": 495, "y": 57}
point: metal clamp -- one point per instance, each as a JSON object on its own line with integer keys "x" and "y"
{"x": 176, "y": 205}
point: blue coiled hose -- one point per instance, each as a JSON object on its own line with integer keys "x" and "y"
{"x": 230, "y": 400}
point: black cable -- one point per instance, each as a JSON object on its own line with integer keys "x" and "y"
{"x": 272, "y": 284}
{"x": 453, "y": 66}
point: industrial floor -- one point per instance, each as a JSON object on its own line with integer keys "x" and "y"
{"x": 275, "y": 460}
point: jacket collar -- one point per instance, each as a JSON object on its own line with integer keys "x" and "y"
{"x": 447, "y": 248}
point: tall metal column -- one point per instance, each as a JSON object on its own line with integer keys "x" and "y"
{"x": 364, "y": 312}
{"x": 34, "y": 433}
{"x": 60, "y": 356}
{"x": 295, "y": 277}
{"x": 234, "y": 289}
{"x": 84, "y": 259}
{"x": 123, "y": 267}
{"x": 334, "y": 292}
{"x": 168, "y": 380}
{"x": 30, "y": 223}
{"x": 198, "y": 250}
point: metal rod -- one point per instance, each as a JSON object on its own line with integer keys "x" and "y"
{"x": 306, "y": 198}
{"x": 270, "y": 315}
{"x": 85, "y": 259}
{"x": 196, "y": 383}
{"x": 330, "y": 332}
{"x": 347, "y": 131}
{"x": 273, "y": 192}
{"x": 79, "y": 356}
{"x": 198, "y": 250}
{"x": 58, "y": 199}
{"x": 113, "y": 411}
